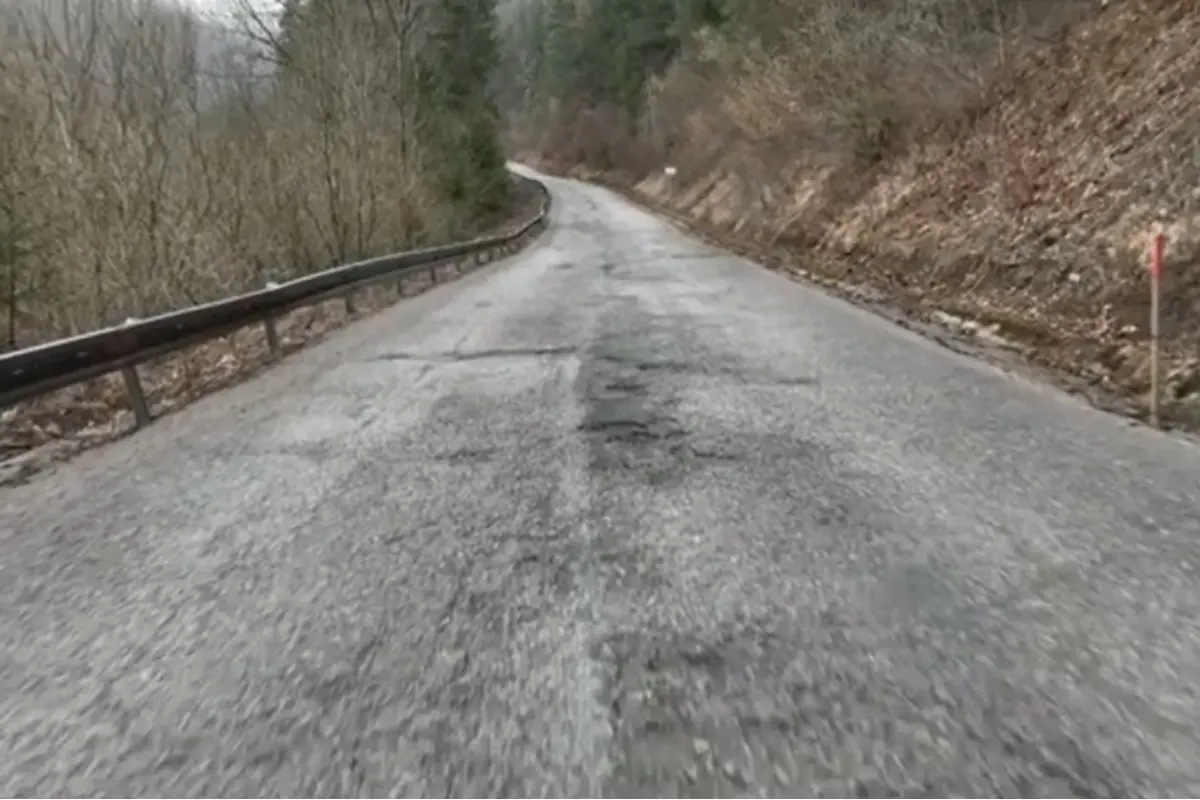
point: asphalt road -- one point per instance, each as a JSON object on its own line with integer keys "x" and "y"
{"x": 623, "y": 516}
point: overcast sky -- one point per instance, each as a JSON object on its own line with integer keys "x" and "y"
{"x": 225, "y": 8}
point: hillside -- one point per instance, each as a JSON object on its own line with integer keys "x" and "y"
{"x": 1014, "y": 180}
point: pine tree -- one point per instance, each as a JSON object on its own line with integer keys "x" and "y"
{"x": 456, "y": 86}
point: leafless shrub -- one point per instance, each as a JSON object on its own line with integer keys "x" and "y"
{"x": 852, "y": 79}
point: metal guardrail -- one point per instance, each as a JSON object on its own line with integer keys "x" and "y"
{"x": 43, "y": 368}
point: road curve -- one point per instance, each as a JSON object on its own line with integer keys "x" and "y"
{"x": 623, "y": 516}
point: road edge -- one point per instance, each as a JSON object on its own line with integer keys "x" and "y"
{"x": 949, "y": 332}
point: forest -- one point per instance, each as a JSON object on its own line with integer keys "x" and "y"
{"x": 152, "y": 157}
{"x": 624, "y": 83}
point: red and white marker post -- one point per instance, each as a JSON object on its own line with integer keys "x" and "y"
{"x": 1157, "y": 247}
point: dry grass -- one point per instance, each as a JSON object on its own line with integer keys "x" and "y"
{"x": 134, "y": 182}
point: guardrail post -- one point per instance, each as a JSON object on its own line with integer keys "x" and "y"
{"x": 133, "y": 388}
{"x": 272, "y": 336}
{"x": 351, "y": 309}
{"x": 269, "y": 328}
{"x": 433, "y": 273}
{"x": 137, "y": 398}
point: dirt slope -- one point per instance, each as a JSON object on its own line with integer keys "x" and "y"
{"x": 1034, "y": 219}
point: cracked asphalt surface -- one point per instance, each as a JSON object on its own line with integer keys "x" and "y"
{"x": 624, "y": 516}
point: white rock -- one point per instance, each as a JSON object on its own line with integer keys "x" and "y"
{"x": 948, "y": 320}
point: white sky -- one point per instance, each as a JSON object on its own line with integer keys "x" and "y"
{"x": 223, "y": 8}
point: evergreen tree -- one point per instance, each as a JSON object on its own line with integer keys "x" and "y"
{"x": 451, "y": 98}
{"x": 456, "y": 87}
{"x": 600, "y": 52}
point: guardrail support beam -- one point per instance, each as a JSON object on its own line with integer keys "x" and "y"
{"x": 351, "y": 309}
{"x": 137, "y": 398}
{"x": 272, "y": 336}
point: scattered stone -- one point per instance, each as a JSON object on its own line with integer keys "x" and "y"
{"x": 1183, "y": 381}
{"x": 947, "y": 320}
{"x": 991, "y": 335}
{"x": 20, "y": 468}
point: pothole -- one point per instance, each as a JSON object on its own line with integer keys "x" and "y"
{"x": 631, "y": 431}
{"x": 644, "y": 365}
{"x": 552, "y": 351}
{"x": 466, "y": 454}
{"x": 625, "y": 385}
